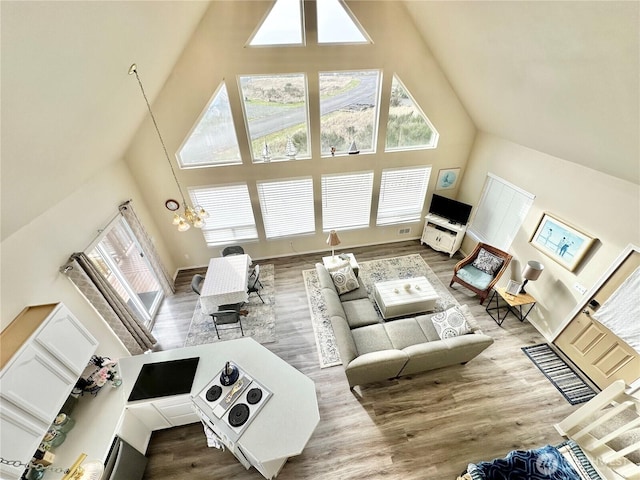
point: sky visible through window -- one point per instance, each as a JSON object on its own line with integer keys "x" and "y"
{"x": 284, "y": 24}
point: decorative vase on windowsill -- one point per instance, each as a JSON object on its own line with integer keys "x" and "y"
{"x": 99, "y": 372}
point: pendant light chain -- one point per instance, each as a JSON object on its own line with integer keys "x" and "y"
{"x": 196, "y": 215}
{"x": 155, "y": 124}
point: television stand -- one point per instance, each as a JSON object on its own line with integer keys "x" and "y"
{"x": 441, "y": 234}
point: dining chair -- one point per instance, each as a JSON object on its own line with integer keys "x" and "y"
{"x": 254, "y": 284}
{"x": 232, "y": 250}
{"x": 228, "y": 315}
{"x": 196, "y": 283}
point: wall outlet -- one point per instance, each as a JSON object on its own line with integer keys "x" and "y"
{"x": 580, "y": 288}
{"x": 404, "y": 231}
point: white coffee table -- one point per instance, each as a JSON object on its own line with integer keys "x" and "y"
{"x": 394, "y": 300}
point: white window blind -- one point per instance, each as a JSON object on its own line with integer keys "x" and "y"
{"x": 500, "y": 213}
{"x": 346, "y": 201}
{"x": 230, "y": 214}
{"x": 287, "y": 207}
{"x": 402, "y": 193}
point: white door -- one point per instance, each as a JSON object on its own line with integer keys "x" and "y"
{"x": 597, "y": 351}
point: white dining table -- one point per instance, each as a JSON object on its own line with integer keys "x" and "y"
{"x": 225, "y": 282}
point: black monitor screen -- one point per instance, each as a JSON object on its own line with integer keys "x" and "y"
{"x": 453, "y": 210}
{"x": 161, "y": 379}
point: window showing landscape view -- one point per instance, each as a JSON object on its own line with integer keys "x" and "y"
{"x": 212, "y": 140}
{"x": 276, "y": 114}
{"x": 408, "y": 127}
{"x": 349, "y": 111}
{"x": 275, "y": 110}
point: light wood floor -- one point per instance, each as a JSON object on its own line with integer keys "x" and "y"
{"x": 426, "y": 426}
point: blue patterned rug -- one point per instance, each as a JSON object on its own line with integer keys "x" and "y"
{"x": 572, "y": 387}
{"x": 373, "y": 271}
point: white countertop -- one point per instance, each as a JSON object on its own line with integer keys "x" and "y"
{"x": 283, "y": 427}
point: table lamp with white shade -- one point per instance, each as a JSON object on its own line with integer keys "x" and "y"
{"x": 531, "y": 271}
{"x": 333, "y": 241}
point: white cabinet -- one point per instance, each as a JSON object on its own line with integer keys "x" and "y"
{"x": 166, "y": 412}
{"x": 45, "y": 349}
{"x": 442, "y": 235}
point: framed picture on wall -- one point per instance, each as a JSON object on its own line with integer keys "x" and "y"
{"x": 447, "y": 178}
{"x": 562, "y": 242}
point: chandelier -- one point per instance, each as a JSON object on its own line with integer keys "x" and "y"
{"x": 195, "y": 215}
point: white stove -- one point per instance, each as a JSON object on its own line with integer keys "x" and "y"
{"x": 229, "y": 409}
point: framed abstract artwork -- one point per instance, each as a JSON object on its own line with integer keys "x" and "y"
{"x": 564, "y": 243}
{"x": 447, "y": 178}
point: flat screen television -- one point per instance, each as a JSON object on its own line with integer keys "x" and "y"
{"x": 452, "y": 210}
{"x": 161, "y": 379}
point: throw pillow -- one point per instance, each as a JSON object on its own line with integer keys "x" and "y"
{"x": 487, "y": 262}
{"x": 450, "y": 323}
{"x": 343, "y": 278}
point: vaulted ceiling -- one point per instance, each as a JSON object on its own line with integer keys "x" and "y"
{"x": 558, "y": 77}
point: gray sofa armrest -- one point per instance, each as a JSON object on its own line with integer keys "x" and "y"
{"x": 375, "y": 366}
{"x": 344, "y": 340}
{"x": 443, "y": 353}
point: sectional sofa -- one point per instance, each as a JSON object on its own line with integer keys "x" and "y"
{"x": 374, "y": 350}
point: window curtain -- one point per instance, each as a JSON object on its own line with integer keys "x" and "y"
{"x": 97, "y": 290}
{"x": 166, "y": 282}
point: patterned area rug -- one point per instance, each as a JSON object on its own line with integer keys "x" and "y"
{"x": 560, "y": 374}
{"x": 407, "y": 266}
{"x": 260, "y": 323}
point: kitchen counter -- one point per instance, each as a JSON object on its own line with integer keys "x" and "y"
{"x": 283, "y": 426}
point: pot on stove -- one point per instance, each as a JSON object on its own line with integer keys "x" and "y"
{"x": 229, "y": 374}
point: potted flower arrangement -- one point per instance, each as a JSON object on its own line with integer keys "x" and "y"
{"x": 98, "y": 372}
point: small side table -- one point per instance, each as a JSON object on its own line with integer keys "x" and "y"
{"x": 519, "y": 305}
{"x": 334, "y": 261}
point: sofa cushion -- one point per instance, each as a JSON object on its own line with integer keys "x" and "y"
{"x": 360, "y": 292}
{"x": 332, "y": 303}
{"x": 360, "y": 313}
{"x": 488, "y": 262}
{"x": 372, "y": 338}
{"x": 344, "y": 340}
{"x": 450, "y": 323}
{"x": 405, "y": 332}
{"x": 325, "y": 281}
{"x": 343, "y": 278}
{"x": 475, "y": 277}
{"x": 426, "y": 325}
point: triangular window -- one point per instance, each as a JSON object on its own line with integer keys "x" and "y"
{"x": 283, "y": 25}
{"x": 336, "y": 23}
{"x": 408, "y": 128}
{"x": 212, "y": 140}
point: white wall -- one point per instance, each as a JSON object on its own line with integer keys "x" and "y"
{"x": 217, "y": 52}
{"x": 31, "y": 258}
{"x": 601, "y": 205}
